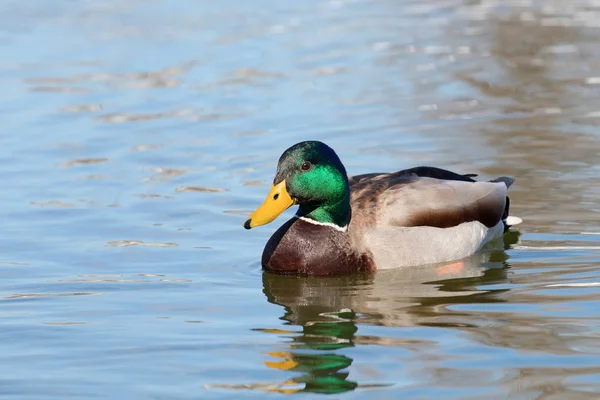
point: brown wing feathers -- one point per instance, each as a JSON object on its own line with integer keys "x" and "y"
{"x": 368, "y": 189}
{"x": 487, "y": 210}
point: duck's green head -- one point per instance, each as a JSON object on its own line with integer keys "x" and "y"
{"x": 311, "y": 175}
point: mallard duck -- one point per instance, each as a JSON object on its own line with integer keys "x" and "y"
{"x": 418, "y": 216}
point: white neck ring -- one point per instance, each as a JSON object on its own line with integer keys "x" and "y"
{"x": 329, "y": 224}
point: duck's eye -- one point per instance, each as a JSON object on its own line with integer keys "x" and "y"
{"x": 306, "y": 166}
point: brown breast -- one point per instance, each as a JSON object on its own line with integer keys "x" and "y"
{"x": 301, "y": 248}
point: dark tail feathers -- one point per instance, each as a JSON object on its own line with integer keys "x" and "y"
{"x": 507, "y": 181}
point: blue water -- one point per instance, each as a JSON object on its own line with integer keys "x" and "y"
{"x": 138, "y": 135}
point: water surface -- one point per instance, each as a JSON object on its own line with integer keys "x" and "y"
{"x": 139, "y": 134}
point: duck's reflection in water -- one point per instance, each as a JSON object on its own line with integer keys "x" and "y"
{"x": 330, "y": 311}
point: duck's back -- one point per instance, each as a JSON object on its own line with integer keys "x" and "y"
{"x": 425, "y": 215}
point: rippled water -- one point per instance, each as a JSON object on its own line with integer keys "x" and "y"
{"x": 138, "y": 134}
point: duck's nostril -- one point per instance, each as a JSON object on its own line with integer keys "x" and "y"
{"x": 275, "y": 196}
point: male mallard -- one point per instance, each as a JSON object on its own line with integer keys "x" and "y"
{"x": 422, "y": 215}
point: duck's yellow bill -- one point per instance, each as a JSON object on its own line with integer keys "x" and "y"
{"x": 278, "y": 200}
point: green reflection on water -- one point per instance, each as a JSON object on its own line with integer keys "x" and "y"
{"x": 325, "y": 329}
{"x": 328, "y": 311}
